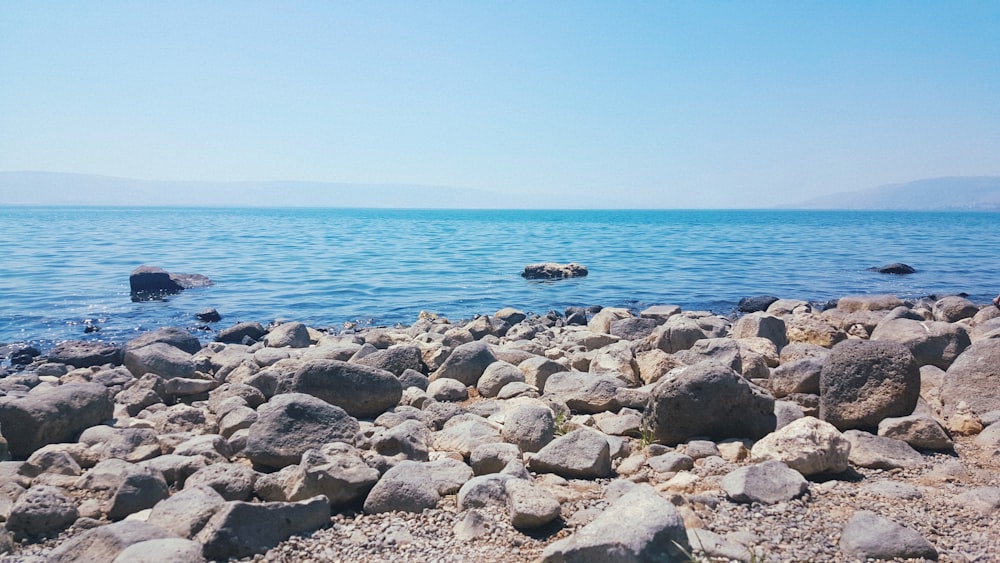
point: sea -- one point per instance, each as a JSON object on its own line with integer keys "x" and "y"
{"x": 64, "y": 269}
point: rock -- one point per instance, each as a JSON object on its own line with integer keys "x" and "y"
{"x": 953, "y": 308}
{"x": 660, "y": 312}
{"x": 856, "y": 303}
{"x": 769, "y": 482}
{"x": 335, "y": 471}
{"x": 176, "y": 468}
{"x": 807, "y": 445}
{"x": 208, "y": 315}
{"x": 973, "y": 378}
{"x": 537, "y": 371}
{"x": 670, "y": 462}
{"x": 755, "y": 304}
{"x": 654, "y": 364}
{"x": 161, "y": 359}
{"x": 581, "y": 454}
{"x": 870, "y": 536}
{"x": 53, "y": 415}
{"x": 917, "y": 430}
{"x": 484, "y": 491}
{"x": 360, "y": 390}
{"x": 640, "y": 526}
{"x": 236, "y": 333}
{"x": 288, "y": 335}
{"x": 242, "y": 529}
{"x": 763, "y": 325}
{"x": 583, "y": 392}
{"x": 676, "y": 334}
{"x": 530, "y": 506}
{"x": 633, "y": 328}
{"x": 628, "y": 422}
{"x": 446, "y": 389}
{"x": 711, "y": 400}
{"x": 492, "y": 458}
{"x": 930, "y": 342}
{"x": 186, "y": 512}
{"x": 407, "y": 440}
{"x": 85, "y": 354}
{"x": 292, "y": 423}
{"x": 812, "y": 329}
{"x": 395, "y": 359}
{"x": 412, "y": 378}
{"x": 450, "y": 474}
{"x": 798, "y": 376}
{"x": 529, "y": 427}
{"x": 42, "y": 509}
{"x": 150, "y": 282}
{"x": 233, "y": 481}
{"x": 104, "y": 543}
{"x": 877, "y": 452}
{"x": 174, "y": 336}
{"x": 985, "y": 500}
{"x": 495, "y": 376}
{"x": 466, "y": 363}
{"x": 464, "y": 433}
{"x": 864, "y": 382}
{"x": 125, "y": 487}
{"x": 553, "y": 271}
{"x": 896, "y": 268}
{"x": 722, "y": 350}
{"x": 407, "y": 487}
{"x": 167, "y": 550}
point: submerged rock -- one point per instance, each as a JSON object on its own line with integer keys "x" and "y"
{"x": 553, "y": 271}
{"x": 152, "y": 282}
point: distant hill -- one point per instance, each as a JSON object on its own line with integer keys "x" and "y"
{"x": 969, "y": 193}
{"x": 50, "y": 188}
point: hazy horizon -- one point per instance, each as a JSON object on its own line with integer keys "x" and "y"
{"x": 660, "y": 105}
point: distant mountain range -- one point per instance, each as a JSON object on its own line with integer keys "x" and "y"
{"x": 51, "y": 188}
{"x": 969, "y": 193}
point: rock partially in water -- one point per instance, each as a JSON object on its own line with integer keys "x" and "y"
{"x": 897, "y": 268}
{"x": 152, "y": 282}
{"x": 553, "y": 271}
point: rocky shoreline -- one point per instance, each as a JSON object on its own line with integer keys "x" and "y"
{"x": 868, "y": 430}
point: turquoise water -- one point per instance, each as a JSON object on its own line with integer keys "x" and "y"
{"x": 65, "y": 267}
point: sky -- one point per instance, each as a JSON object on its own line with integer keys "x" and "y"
{"x": 653, "y": 104}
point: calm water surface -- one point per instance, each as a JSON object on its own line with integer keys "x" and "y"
{"x": 65, "y": 267}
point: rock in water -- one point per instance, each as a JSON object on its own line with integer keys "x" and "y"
{"x": 151, "y": 282}
{"x": 896, "y": 268}
{"x": 553, "y": 271}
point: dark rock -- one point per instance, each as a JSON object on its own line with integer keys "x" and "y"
{"x": 174, "y": 336}
{"x": 866, "y": 381}
{"x": 756, "y": 303}
{"x": 895, "y": 268}
{"x": 40, "y": 510}
{"x": 798, "y": 376}
{"x": 395, "y": 359}
{"x": 208, "y": 315}
{"x": 236, "y": 333}
{"x": 466, "y": 363}
{"x": 53, "y": 415}
{"x": 20, "y": 354}
{"x": 151, "y": 282}
{"x": 553, "y": 271}
{"x": 576, "y": 316}
{"x": 710, "y": 400}
{"x": 360, "y": 390}
{"x": 84, "y": 354}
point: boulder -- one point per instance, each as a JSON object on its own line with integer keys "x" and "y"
{"x": 974, "y": 378}
{"x": 484, "y": 491}
{"x": 167, "y": 550}
{"x": 174, "y": 336}
{"x": 807, "y": 445}
{"x": 53, "y": 415}
{"x": 797, "y": 376}
{"x": 763, "y": 325}
{"x": 446, "y": 389}
{"x": 896, "y": 268}
{"x": 105, "y": 543}
{"x": 583, "y": 392}
{"x": 530, "y": 506}
{"x": 463, "y": 433}
{"x": 292, "y": 423}
{"x": 755, "y": 303}
{"x": 360, "y": 390}
{"x": 407, "y": 440}
{"x": 676, "y": 334}
{"x": 865, "y": 381}
{"x": 529, "y": 427}
{"x": 581, "y": 454}
{"x": 600, "y": 323}
{"x": 335, "y": 471}
{"x": 407, "y": 487}
{"x": 236, "y": 333}
{"x": 233, "y": 481}
{"x": 878, "y": 452}
{"x": 553, "y": 271}
{"x": 395, "y": 359}
{"x": 769, "y": 482}
{"x": 640, "y": 525}
{"x": 870, "y": 536}
{"x": 85, "y": 354}
{"x": 495, "y": 376}
{"x": 492, "y": 458}
{"x": 124, "y": 488}
{"x": 857, "y": 303}
{"x": 288, "y": 335}
{"x": 953, "y": 308}
{"x": 537, "y": 371}
{"x": 241, "y": 529}
{"x": 725, "y": 351}
{"x": 150, "y": 282}
{"x": 161, "y": 359}
{"x": 711, "y": 400}
{"x": 466, "y": 363}
{"x": 931, "y": 342}
{"x": 40, "y": 510}
{"x": 186, "y": 512}
{"x": 918, "y": 430}
{"x": 813, "y": 329}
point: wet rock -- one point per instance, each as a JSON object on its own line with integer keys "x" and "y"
{"x": 151, "y": 282}
{"x": 896, "y": 268}
{"x": 553, "y": 270}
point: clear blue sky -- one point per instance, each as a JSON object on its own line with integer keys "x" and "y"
{"x": 662, "y": 104}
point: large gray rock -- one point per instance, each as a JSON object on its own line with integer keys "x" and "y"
{"x": 954, "y": 308}
{"x": 870, "y": 536}
{"x": 530, "y": 506}
{"x": 711, "y": 400}
{"x": 678, "y": 333}
{"x": 288, "y": 335}
{"x": 553, "y": 271}
{"x": 395, "y": 359}
{"x": 466, "y": 363}
{"x": 807, "y": 445}
{"x": 53, "y": 415}
{"x": 162, "y": 359}
{"x": 167, "y": 550}
{"x": 529, "y": 427}
{"x": 242, "y": 529}
{"x": 931, "y": 342}
{"x": 581, "y": 454}
{"x": 234, "y": 481}
{"x": 41, "y": 510}
{"x": 633, "y": 328}
{"x": 104, "y": 543}
{"x": 85, "y": 354}
{"x": 878, "y": 452}
{"x": 761, "y": 324}
{"x": 974, "y": 378}
{"x": 495, "y": 376}
{"x": 917, "y": 430}
{"x": 292, "y": 423}
{"x": 187, "y": 512}
{"x": 537, "y": 371}
{"x": 362, "y": 391}
{"x": 641, "y": 526}
{"x": 174, "y": 336}
{"x": 335, "y": 471}
{"x": 585, "y": 392}
{"x": 150, "y": 282}
{"x": 484, "y": 491}
{"x": 124, "y": 488}
{"x": 236, "y": 333}
{"x": 865, "y": 381}
{"x": 407, "y": 487}
{"x": 721, "y": 350}
{"x": 409, "y": 439}
{"x": 769, "y": 482}
{"x": 798, "y": 376}
{"x": 463, "y": 433}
